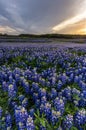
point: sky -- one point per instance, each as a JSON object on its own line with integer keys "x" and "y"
{"x": 43, "y": 16}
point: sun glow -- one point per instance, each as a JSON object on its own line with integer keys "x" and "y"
{"x": 69, "y": 22}
{"x": 83, "y": 31}
{"x": 75, "y": 24}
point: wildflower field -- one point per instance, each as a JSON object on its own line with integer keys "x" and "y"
{"x": 42, "y": 87}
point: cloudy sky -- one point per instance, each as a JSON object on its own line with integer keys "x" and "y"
{"x": 43, "y": 16}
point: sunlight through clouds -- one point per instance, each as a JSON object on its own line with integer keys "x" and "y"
{"x": 40, "y": 17}
{"x": 74, "y": 20}
{"x": 69, "y": 22}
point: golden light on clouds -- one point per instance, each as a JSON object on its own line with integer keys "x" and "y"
{"x": 3, "y": 29}
{"x": 70, "y": 22}
{"x": 74, "y": 25}
{"x": 10, "y": 30}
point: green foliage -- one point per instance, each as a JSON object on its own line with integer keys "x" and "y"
{"x": 70, "y": 108}
{"x": 3, "y": 100}
{"x": 73, "y": 128}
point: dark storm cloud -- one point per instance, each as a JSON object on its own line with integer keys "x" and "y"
{"x": 35, "y": 16}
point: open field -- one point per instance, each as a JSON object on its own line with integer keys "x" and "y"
{"x": 47, "y": 38}
{"x": 42, "y": 86}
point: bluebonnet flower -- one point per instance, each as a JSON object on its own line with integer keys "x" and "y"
{"x": 12, "y": 104}
{"x": 68, "y": 122}
{"x": 23, "y": 114}
{"x": 67, "y": 93}
{"x": 10, "y": 79}
{"x": 11, "y": 91}
{"x": 4, "y": 86}
{"x": 75, "y": 92}
{"x": 53, "y": 81}
{"x": 35, "y": 96}
{"x": 80, "y": 118}
{"x": 24, "y": 102}
{"x": 22, "y": 80}
{"x": 17, "y": 114}
{"x": 47, "y": 83}
{"x": 83, "y": 69}
{"x": 26, "y": 86}
{"x": 75, "y": 96}
{"x": 82, "y": 102}
{"x": 17, "y": 78}
{"x": 46, "y": 109}
{"x": 9, "y": 73}
{"x": 36, "y": 77}
{"x": 37, "y": 103}
{"x": 29, "y": 123}
{"x": 42, "y": 81}
{"x": 60, "y": 94}
{"x": 54, "y": 116}
{"x": 17, "y": 71}
{"x": 59, "y": 85}
{"x": 80, "y": 77}
{"x": 1, "y": 111}
{"x": 43, "y": 100}
{"x": 31, "y": 112}
{"x": 53, "y": 93}
{"x": 35, "y": 87}
{"x": 42, "y": 92}
{"x": 20, "y": 115}
{"x": 21, "y": 98}
{"x": 76, "y": 79}
{"x": 71, "y": 77}
{"x": 79, "y": 98}
{"x": 64, "y": 78}
{"x": 21, "y": 125}
{"x": 59, "y": 105}
{"x": 83, "y": 94}
{"x": 82, "y": 85}
{"x": 8, "y": 120}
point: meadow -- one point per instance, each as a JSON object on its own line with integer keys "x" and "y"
{"x": 42, "y": 86}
